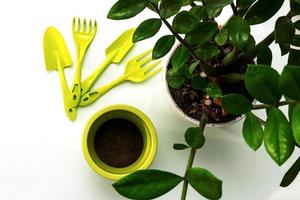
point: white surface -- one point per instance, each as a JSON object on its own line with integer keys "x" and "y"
{"x": 40, "y": 152}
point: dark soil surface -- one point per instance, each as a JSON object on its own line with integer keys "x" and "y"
{"x": 191, "y": 102}
{"x": 118, "y": 143}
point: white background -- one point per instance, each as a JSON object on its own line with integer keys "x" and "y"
{"x": 40, "y": 150}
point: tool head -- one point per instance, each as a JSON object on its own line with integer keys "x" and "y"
{"x": 55, "y": 48}
{"x": 121, "y": 46}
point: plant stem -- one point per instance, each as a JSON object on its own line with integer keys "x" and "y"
{"x": 203, "y": 122}
{"x": 234, "y": 10}
{"x": 281, "y": 103}
{"x": 181, "y": 40}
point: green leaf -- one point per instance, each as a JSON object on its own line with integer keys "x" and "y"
{"x": 284, "y": 30}
{"x": 147, "y": 29}
{"x": 243, "y": 4}
{"x": 222, "y": 37}
{"x": 163, "y": 46}
{"x": 294, "y": 57}
{"x": 194, "y": 137}
{"x": 184, "y": 22}
{"x": 205, "y": 183}
{"x": 238, "y": 31}
{"x": 202, "y": 33}
{"x": 199, "y": 12}
{"x": 168, "y": 8}
{"x": 262, "y": 82}
{"x": 250, "y": 46}
{"x": 278, "y": 137}
{"x": 296, "y": 123}
{"x": 193, "y": 67}
{"x": 284, "y": 48}
{"x": 297, "y": 24}
{"x": 125, "y": 9}
{"x": 199, "y": 83}
{"x": 296, "y": 41}
{"x": 236, "y": 104}
{"x": 147, "y": 184}
{"x": 230, "y": 58}
{"x": 207, "y": 51}
{"x": 180, "y": 57}
{"x": 213, "y": 12}
{"x": 291, "y": 174}
{"x": 218, "y": 3}
{"x": 213, "y": 91}
{"x": 265, "y": 56}
{"x": 290, "y": 111}
{"x": 252, "y": 131}
{"x": 262, "y": 11}
{"x": 295, "y": 7}
{"x": 174, "y": 79}
{"x": 289, "y": 82}
{"x": 180, "y": 146}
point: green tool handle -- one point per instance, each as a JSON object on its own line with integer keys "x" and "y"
{"x": 92, "y": 78}
{"x": 76, "y": 86}
{"x": 69, "y": 110}
{"x": 92, "y": 96}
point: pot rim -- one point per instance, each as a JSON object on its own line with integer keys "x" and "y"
{"x": 177, "y": 109}
{"x": 150, "y": 142}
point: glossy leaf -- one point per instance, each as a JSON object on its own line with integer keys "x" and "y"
{"x": 207, "y": 51}
{"x": 296, "y": 41}
{"x": 184, "y": 22}
{"x": 199, "y": 12}
{"x": 262, "y": 82}
{"x": 168, "y": 8}
{"x": 174, "y": 79}
{"x": 213, "y": 12}
{"x": 180, "y": 57}
{"x": 230, "y": 58}
{"x": 236, "y": 104}
{"x": 278, "y": 138}
{"x": 294, "y": 57}
{"x": 218, "y": 3}
{"x": 250, "y": 47}
{"x": 284, "y": 30}
{"x": 205, "y": 183}
{"x": 163, "y": 46}
{"x": 290, "y": 111}
{"x": 284, "y": 48}
{"x": 202, "y": 33}
{"x": 194, "y": 137}
{"x": 180, "y": 146}
{"x": 222, "y": 37}
{"x": 238, "y": 31}
{"x": 244, "y": 3}
{"x": 199, "y": 83}
{"x": 295, "y": 7}
{"x": 253, "y": 131}
{"x": 291, "y": 174}
{"x": 125, "y": 9}
{"x": 297, "y": 24}
{"x": 265, "y": 56}
{"x": 193, "y": 67}
{"x": 262, "y": 11}
{"x": 147, "y": 184}
{"x": 289, "y": 82}
{"x": 296, "y": 123}
{"x": 213, "y": 90}
{"x": 147, "y": 29}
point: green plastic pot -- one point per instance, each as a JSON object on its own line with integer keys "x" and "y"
{"x": 140, "y": 120}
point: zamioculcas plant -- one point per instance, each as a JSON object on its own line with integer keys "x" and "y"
{"x": 217, "y": 74}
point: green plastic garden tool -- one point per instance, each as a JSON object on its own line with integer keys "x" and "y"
{"x": 83, "y": 35}
{"x": 138, "y": 69}
{"x": 114, "y": 54}
{"x": 57, "y": 57}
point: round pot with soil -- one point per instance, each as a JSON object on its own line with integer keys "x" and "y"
{"x": 118, "y": 140}
{"x": 192, "y": 92}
